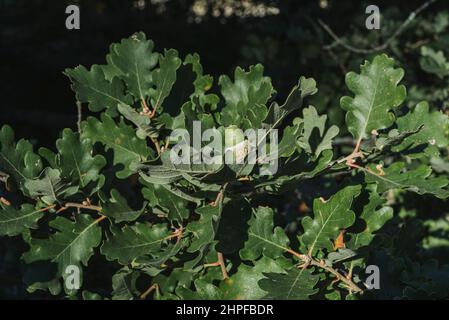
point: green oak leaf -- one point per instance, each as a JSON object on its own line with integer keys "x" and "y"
{"x": 134, "y": 241}
{"x": 89, "y": 295}
{"x": 263, "y": 238}
{"x": 295, "y": 100}
{"x": 203, "y": 291}
{"x": 124, "y": 284}
{"x": 168, "y": 201}
{"x": 202, "y": 83}
{"x": 245, "y": 98}
{"x": 164, "y": 78}
{"x": 329, "y": 217}
{"x": 398, "y": 176}
{"x": 155, "y": 264}
{"x": 93, "y": 88}
{"x": 433, "y": 132}
{"x": 288, "y": 144}
{"x": 50, "y": 188}
{"x": 203, "y": 230}
{"x": 14, "y": 221}
{"x": 376, "y": 94}
{"x": 74, "y": 159}
{"x": 117, "y": 208}
{"x": 18, "y": 159}
{"x": 169, "y": 172}
{"x": 72, "y": 245}
{"x": 243, "y": 285}
{"x": 119, "y": 137}
{"x": 132, "y": 60}
{"x": 374, "y": 216}
{"x": 315, "y": 138}
{"x": 289, "y": 175}
{"x": 295, "y": 284}
{"x": 143, "y": 123}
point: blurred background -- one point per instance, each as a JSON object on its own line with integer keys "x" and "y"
{"x": 285, "y": 36}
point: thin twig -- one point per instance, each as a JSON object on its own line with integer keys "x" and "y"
{"x": 220, "y": 262}
{"x": 339, "y": 41}
{"x": 81, "y": 206}
{"x": 5, "y": 201}
{"x": 80, "y": 116}
{"x": 348, "y": 282}
{"x": 156, "y": 145}
{"x": 220, "y": 195}
{"x": 309, "y": 261}
{"x": 149, "y": 290}
{"x": 222, "y": 265}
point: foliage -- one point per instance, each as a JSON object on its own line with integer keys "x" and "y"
{"x": 109, "y": 198}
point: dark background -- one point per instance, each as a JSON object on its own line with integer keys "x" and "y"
{"x": 35, "y": 46}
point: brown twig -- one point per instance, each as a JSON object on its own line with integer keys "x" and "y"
{"x": 100, "y": 218}
{"x": 156, "y": 145}
{"x": 149, "y": 290}
{"x": 222, "y": 265}
{"x": 79, "y": 115}
{"x": 347, "y": 281}
{"x": 5, "y": 201}
{"x": 220, "y": 262}
{"x": 220, "y": 195}
{"x": 80, "y": 206}
{"x": 309, "y": 261}
{"x": 153, "y": 113}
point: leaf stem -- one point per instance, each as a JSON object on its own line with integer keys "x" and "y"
{"x": 156, "y": 145}
{"x": 81, "y": 206}
{"x": 222, "y": 265}
{"x": 348, "y": 282}
{"x": 149, "y": 290}
{"x": 220, "y": 195}
{"x": 5, "y": 201}
{"x": 310, "y": 261}
{"x": 220, "y": 262}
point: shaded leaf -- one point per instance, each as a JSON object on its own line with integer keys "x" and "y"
{"x": 119, "y": 137}
{"x": 296, "y": 284}
{"x": 14, "y": 221}
{"x": 71, "y": 245}
{"x": 117, "y": 208}
{"x": 329, "y": 217}
{"x": 50, "y": 188}
{"x": 398, "y": 176}
{"x": 93, "y": 88}
{"x": 74, "y": 159}
{"x": 245, "y": 97}
{"x": 18, "y": 159}
{"x": 263, "y": 238}
{"x": 134, "y": 241}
